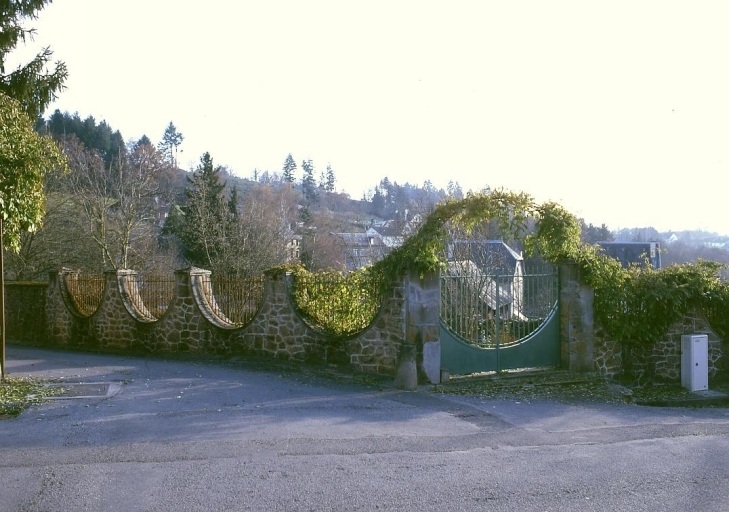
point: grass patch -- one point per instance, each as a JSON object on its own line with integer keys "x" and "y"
{"x": 17, "y": 393}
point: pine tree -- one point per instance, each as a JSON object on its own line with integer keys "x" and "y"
{"x": 171, "y": 140}
{"x": 202, "y": 232}
{"x": 233, "y": 203}
{"x": 33, "y": 85}
{"x": 331, "y": 180}
{"x": 289, "y": 167}
{"x": 308, "y": 183}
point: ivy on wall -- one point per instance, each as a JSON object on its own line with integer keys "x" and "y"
{"x": 635, "y": 305}
{"x": 332, "y": 302}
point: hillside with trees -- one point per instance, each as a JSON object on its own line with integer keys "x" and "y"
{"x": 127, "y": 204}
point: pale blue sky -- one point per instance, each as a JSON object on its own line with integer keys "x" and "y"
{"x": 618, "y": 109}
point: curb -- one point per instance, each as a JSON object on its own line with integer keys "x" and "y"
{"x": 690, "y": 402}
{"x": 713, "y": 400}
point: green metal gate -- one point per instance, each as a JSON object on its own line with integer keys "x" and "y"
{"x": 498, "y": 321}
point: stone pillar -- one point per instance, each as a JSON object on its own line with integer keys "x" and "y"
{"x": 575, "y": 320}
{"x": 420, "y": 354}
{"x": 112, "y": 325}
{"x": 277, "y": 329}
{"x": 183, "y": 328}
{"x": 59, "y": 318}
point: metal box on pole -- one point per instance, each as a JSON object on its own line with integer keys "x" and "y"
{"x": 695, "y": 362}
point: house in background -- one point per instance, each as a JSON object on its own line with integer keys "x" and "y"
{"x": 494, "y": 257}
{"x": 489, "y": 270}
{"x": 633, "y": 253}
{"x": 379, "y": 239}
{"x": 293, "y": 248}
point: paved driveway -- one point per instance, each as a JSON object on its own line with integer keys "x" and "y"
{"x": 161, "y": 435}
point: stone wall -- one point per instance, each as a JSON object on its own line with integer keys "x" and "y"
{"x": 587, "y": 348}
{"x": 662, "y": 361}
{"x": 25, "y": 313}
{"x": 404, "y": 330}
{"x": 402, "y": 341}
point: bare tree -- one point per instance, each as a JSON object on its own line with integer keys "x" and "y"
{"x": 119, "y": 203}
{"x": 55, "y": 244}
{"x": 259, "y": 230}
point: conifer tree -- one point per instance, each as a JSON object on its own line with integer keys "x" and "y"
{"x": 330, "y": 179}
{"x": 202, "y": 230}
{"x": 308, "y": 183}
{"x": 289, "y": 167}
{"x": 33, "y": 85}
{"x": 171, "y": 140}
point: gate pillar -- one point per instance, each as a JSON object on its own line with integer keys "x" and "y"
{"x": 576, "y": 320}
{"x": 422, "y": 324}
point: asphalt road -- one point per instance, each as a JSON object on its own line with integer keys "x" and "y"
{"x": 213, "y": 436}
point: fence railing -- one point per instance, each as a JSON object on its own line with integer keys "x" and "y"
{"x": 237, "y": 298}
{"x": 341, "y": 304}
{"x": 155, "y": 292}
{"x": 85, "y": 291}
{"x": 496, "y": 310}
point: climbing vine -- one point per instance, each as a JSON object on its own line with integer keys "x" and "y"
{"x": 341, "y": 304}
{"x": 423, "y": 252}
{"x": 636, "y": 305}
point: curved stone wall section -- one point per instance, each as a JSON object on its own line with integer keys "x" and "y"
{"x": 377, "y": 348}
{"x": 131, "y": 297}
{"x": 65, "y": 325}
{"x": 202, "y": 291}
{"x": 191, "y": 325}
{"x": 113, "y": 326}
{"x": 183, "y": 328}
{"x": 63, "y": 277}
{"x": 278, "y": 330}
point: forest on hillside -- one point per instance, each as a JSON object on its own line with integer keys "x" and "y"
{"x": 127, "y": 204}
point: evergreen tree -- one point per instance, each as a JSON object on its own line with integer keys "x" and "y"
{"x": 308, "y": 183}
{"x": 33, "y": 85}
{"x": 143, "y": 141}
{"x": 289, "y": 167}
{"x": 330, "y": 179}
{"x": 171, "y": 140}
{"x": 202, "y": 232}
{"x": 233, "y": 203}
{"x": 96, "y": 137}
{"x": 378, "y": 203}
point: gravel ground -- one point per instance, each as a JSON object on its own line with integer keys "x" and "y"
{"x": 574, "y": 388}
{"x": 557, "y": 385}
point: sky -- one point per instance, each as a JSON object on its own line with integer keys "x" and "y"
{"x": 617, "y": 110}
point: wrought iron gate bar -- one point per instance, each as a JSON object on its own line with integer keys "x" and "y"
{"x": 495, "y": 310}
